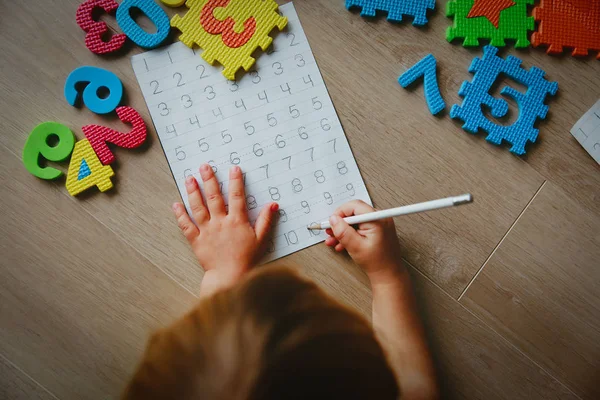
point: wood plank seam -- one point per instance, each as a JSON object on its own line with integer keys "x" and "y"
{"x": 501, "y": 240}
{"x": 122, "y": 239}
{"x": 508, "y": 342}
{"x": 521, "y": 352}
{"x": 15, "y": 366}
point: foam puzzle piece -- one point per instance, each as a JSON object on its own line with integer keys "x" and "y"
{"x": 173, "y": 3}
{"x": 37, "y": 147}
{"x": 96, "y": 78}
{"x": 426, "y": 68}
{"x": 395, "y": 9}
{"x": 154, "y": 12}
{"x": 495, "y": 20}
{"x": 572, "y": 23}
{"x": 229, "y": 30}
{"x": 86, "y": 170}
{"x": 99, "y": 136}
{"x": 95, "y": 29}
{"x": 476, "y": 94}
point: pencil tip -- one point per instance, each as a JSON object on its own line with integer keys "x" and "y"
{"x": 463, "y": 199}
{"x": 313, "y": 227}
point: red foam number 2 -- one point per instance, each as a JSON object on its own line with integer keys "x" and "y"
{"x": 100, "y": 135}
{"x": 95, "y": 29}
{"x": 230, "y": 37}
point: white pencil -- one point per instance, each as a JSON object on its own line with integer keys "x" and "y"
{"x": 396, "y": 212}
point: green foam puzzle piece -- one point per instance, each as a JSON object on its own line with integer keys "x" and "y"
{"x": 514, "y": 24}
{"x": 37, "y": 148}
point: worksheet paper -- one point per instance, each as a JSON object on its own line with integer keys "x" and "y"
{"x": 587, "y": 131}
{"x": 277, "y": 123}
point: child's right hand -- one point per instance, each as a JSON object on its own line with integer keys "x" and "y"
{"x": 374, "y": 245}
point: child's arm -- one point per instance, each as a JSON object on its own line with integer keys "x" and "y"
{"x": 224, "y": 242}
{"x": 374, "y": 246}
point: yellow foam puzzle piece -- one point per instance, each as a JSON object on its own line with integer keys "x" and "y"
{"x": 213, "y": 45}
{"x": 173, "y": 3}
{"x": 95, "y": 175}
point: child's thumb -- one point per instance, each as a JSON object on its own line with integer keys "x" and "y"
{"x": 344, "y": 233}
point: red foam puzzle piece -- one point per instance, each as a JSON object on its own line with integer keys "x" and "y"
{"x": 95, "y": 29}
{"x": 568, "y": 23}
{"x": 490, "y": 9}
{"x": 99, "y": 136}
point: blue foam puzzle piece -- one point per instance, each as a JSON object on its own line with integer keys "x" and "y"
{"x": 395, "y": 9}
{"x": 96, "y": 78}
{"x": 84, "y": 170}
{"x": 154, "y": 12}
{"x": 476, "y": 94}
{"x": 426, "y": 68}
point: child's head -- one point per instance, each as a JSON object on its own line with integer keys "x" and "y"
{"x": 273, "y": 336}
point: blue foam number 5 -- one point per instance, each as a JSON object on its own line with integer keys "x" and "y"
{"x": 139, "y": 36}
{"x": 96, "y": 78}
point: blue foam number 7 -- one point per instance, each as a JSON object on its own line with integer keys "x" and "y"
{"x": 139, "y": 36}
{"x": 96, "y": 78}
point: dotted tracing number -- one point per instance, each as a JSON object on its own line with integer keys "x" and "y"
{"x": 319, "y": 176}
{"x": 274, "y": 192}
{"x": 297, "y": 185}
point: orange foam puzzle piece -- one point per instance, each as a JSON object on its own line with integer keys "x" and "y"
{"x": 568, "y": 23}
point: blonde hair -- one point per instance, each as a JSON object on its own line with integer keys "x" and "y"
{"x": 272, "y": 336}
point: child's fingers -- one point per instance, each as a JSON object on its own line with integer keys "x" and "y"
{"x": 237, "y": 194}
{"x": 265, "y": 220}
{"x": 344, "y": 233}
{"x": 354, "y": 207}
{"x": 339, "y": 247}
{"x": 331, "y": 241}
{"x": 329, "y": 231}
{"x": 199, "y": 210}
{"x": 190, "y": 231}
{"x": 212, "y": 192}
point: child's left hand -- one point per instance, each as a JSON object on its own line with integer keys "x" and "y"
{"x": 225, "y": 243}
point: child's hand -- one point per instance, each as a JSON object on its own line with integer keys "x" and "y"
{"x": 374, "y": 245}
{"x": 225, "y": 244}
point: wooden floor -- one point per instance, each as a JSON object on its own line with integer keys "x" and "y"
{"x": 509, "y": 286}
